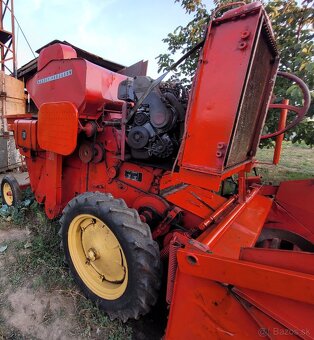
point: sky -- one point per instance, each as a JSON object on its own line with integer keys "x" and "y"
{"x": 123, "y": 31}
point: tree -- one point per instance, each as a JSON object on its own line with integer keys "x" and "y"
{"x": 293, "y": 27}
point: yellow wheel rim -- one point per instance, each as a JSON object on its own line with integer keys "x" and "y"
{"x": 7, "y": 194}
{"x": 97, "y": 257}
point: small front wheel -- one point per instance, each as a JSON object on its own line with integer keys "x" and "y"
{"x": 111, "y": 254}
{"x": 10, "y": 191}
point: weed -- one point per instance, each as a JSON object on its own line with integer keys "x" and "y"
{"x": 39, "y": 264}
{"x": 95, "y": 322}
{"x": 11, "y": 333}
{"x": 296, "y": 163}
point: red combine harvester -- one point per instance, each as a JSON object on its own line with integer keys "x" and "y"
{"x": 138, "y": 170}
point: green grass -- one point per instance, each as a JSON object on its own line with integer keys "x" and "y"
{"x": 296, "y": 162}
{"x": 89, "y": 312}
{"x": 38, "y": 263}
{"x": 39, "y": 257}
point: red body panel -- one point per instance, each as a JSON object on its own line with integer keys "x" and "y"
{"x": 237, "y": 230}
{"x": 227, "y": 107}
{"x": 58, "y": 127}
{"x": 56, "y": 52}
{"x": 204, "y": 120}
{"x": 78, "y": 81}
{"x": 217, "y": 288}
{"x": 25, "y": 132}
{"x": 293, "y": 208}
{"x": 194, "y": 199}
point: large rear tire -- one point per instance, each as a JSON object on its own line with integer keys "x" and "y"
{"x": 11, "y": 192}
{"x": 111, "y": 255}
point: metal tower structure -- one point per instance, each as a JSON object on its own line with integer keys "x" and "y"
{"x": 7, "y": 37}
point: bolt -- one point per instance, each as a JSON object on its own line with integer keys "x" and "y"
{"x": 91, "y": 255}
{"x": 245, "y": 34}
{"x": 242, "y": 45}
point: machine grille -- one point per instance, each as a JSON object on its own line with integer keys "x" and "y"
{"x": 253, "y": 105}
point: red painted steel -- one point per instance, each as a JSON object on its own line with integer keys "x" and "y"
{"x": 216, "y": 214}
{"x": 236, "y": 229}
{"x": 191, "y": 198}
{"x": 211, "y": 117}
{"x": 25, "y": 132}
{"x": 204, "y": 309}
{"x": 271, "y": 327}
{"x": 281, "y": 126}
{"x": 217, "y": 287}
{"x": 212, "y": 298}
{"x": 283, "y": 311}
{"x": 58, "y": 127}
{"x": 88, "y": 86}
{"x": 53, "y": 175}
{"x": 291, "y": 260}
{"x": 55, "y": 52}
{"x": 292, "y": 208}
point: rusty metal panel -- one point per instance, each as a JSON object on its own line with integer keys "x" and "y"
{"x": 135, "y": 70}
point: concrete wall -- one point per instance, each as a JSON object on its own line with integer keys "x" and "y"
{"x": 12, "y": 102}
{"x": 3, "y": 154}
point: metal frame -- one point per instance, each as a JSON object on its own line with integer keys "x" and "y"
{"x": 7, "y": 37}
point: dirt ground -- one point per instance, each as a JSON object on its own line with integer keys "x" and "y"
{"x": 27, "y": 310}
{"x": 38, "y": 299}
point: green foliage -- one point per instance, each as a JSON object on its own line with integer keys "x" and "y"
{"x": 18, "y": 213}
{"x": 305, "y": 133}
{"x": 183, "y": 39}
{"x": 293, "y": 27}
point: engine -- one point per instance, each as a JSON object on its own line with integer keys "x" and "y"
{"x": 156, "y": 128}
